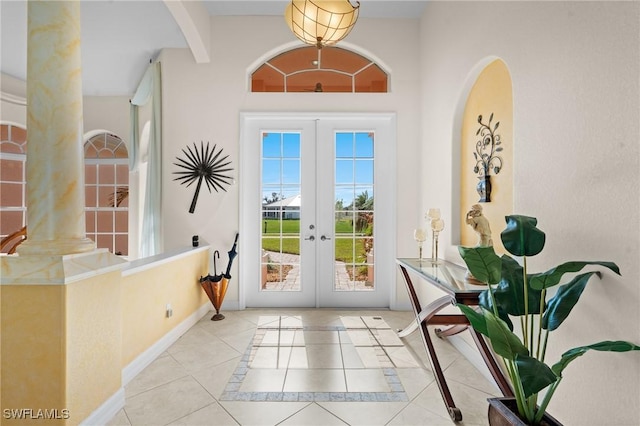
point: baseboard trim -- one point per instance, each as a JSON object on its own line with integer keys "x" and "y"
{"x": 230, "y": 306}
{"x": 103, "y": 414}
{"x": 147, "y": 357}
{"x": 107, "y": 411}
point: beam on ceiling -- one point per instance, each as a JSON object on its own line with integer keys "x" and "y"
{"x": 193, "y": 19}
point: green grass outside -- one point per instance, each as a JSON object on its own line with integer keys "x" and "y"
{"x": 272, "y": 226}
{"x": 292, "y": 226}
{"x": 343, "y": 247}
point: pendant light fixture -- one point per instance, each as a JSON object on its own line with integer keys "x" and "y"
{"x": 321, "y": 22}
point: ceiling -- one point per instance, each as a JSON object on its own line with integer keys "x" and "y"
{"x": 119, "y": 37}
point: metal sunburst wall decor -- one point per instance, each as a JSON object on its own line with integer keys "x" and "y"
{"x": 203, "y": 164}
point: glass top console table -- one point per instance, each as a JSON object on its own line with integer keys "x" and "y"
{"x": 450, "y": 279}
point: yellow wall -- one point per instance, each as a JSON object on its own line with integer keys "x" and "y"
{"x": 94, "y": 343}
{"x": 145, "y": 295}
{"x": 61, "y": 348}
{"x": 33, "y": 348}
{"x": 64, "y": 346}
{"x": 491, "y": 93}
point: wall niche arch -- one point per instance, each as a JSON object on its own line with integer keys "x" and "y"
{"x": 486, "y": 96}
{"x": 309, "y": 69}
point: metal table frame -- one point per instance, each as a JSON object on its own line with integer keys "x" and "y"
{"x": 449, "y": 278}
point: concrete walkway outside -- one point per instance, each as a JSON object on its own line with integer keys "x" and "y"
{"x": 291, "y": 282}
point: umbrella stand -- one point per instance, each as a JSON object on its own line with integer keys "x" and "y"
{"x": 211, "y": 286}
{"x": 219, "y": 290}
{"x": 216, "y": 285}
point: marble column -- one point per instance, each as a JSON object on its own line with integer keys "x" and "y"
{"x": 55, "y": 156}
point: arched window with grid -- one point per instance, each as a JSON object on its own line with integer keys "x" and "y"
{"x": 13, "y": 209}
{"x": 107, "y": 192}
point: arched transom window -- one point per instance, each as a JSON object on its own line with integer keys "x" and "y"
{"x": 309, "y": 69}
{"x": 107, "y": 192}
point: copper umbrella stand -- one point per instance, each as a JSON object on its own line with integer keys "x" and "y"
{"x": 216, "y": 285}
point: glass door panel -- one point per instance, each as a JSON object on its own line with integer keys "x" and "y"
{"x": 281, "y": 212}
{"x": 353, "y": 194}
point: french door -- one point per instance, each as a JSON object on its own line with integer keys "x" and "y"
{"x": 317, "y": 210}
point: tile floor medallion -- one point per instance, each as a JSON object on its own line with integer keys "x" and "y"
{"x": 353, "y": 361}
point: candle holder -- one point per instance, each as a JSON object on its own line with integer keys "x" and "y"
{"x": 437, "y": 225}
{"x": 420, "y": 235}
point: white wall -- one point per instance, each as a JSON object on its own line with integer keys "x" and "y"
{"x": 109, "y": 113}
{"x": 575, "y": 68}
{"x": 99, "y": 112}
{"x": 203, "y": 102}
{"x": 13, "y": 100}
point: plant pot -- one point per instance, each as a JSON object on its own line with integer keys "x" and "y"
{"x": 504, "y": 412}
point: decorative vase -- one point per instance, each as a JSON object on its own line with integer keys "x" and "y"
{"x": 484, "y": 188}
{"x": 504, "y": 412}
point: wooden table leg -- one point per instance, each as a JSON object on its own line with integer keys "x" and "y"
{"x": 451, "y": 331}
{"x": 422, "y": 317}
{"x": 494, "y": 368}
{"x": 454, "y": 412}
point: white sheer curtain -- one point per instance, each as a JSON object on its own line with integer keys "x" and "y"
{"x": 149, "y": 90}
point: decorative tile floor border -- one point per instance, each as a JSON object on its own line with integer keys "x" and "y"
{"x": 232, "y": 393}
{"x": 232, "y": 390}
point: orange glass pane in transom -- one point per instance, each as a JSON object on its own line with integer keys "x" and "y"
{"x": 296, "y": 60}
{"x": 266, "y": 79}
{"x": 308, "y": 69}
{"x": 329, "y": 82}
{"x": 342, "y": 60}
{"x": 371, "y": 79}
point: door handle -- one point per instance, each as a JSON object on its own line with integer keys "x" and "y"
{"x": 310, "y": 238}
{"x": 324, "y": 238}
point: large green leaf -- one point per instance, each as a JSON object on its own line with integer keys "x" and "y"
{"x": 534, "y": 374}
{"x": 607, "y": 345}
{"x": 476, "y": 319}
{"x": 521, "y": 237}
{"x": 503, "y": 341}
{"x": 485, "y": 302}
{"x": 553, "y": 276}
{"x": 483, "y": 263}
{"x": 560, "y": 305}
{"x": 509, "y": 293}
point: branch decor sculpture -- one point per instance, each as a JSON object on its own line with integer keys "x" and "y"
{"x": 486, "y": 157}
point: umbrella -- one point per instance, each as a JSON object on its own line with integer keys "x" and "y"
{"x": 216, "y": 285}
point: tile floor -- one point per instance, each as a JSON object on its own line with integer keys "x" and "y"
{"x": 302, "y": 367}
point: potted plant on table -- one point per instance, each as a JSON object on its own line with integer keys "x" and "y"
{"x": 514, "y": 292}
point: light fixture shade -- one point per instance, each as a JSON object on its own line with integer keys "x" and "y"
{"x": 321, "y": 22}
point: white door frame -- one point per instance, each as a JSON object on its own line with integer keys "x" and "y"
{"x": 385, "y": 181}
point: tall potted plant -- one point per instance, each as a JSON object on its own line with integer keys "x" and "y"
{"x": 514, "y": 292}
